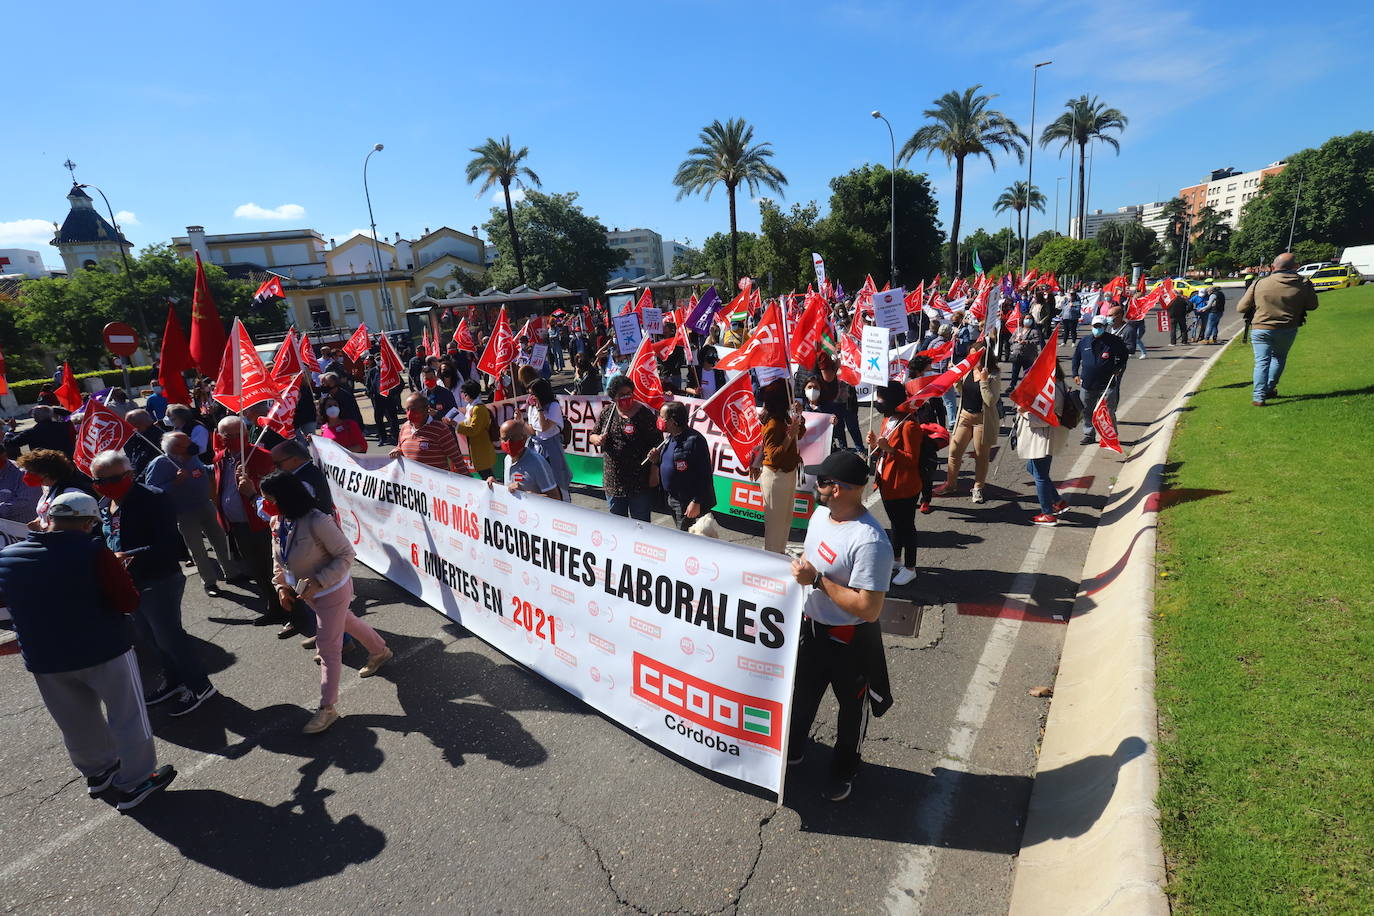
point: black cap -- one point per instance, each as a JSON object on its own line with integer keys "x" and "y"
{"x": 844, "y": 466}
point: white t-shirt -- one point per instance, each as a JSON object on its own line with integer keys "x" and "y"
{"x": 554, "y": 412}
{"x": 856, "y": 553}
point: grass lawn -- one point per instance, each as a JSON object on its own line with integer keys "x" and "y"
{"x": 1265, "y": 631}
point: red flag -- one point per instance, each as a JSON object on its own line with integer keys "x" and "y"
{"x": 308, "y": 359}
{"x": 69, "y": 393}
{"x": 1105, "y": 425}
{"x": 525, "y": 333}
{"x": 357, "y": 344}
{"x": 1140, "y": 307}
{"x": 763, "y": 348}
{"x": 944, "y": 381}
{"x": 243, "y": 380}
{"x": 4, "y": 382}
{"x": 1163, "y": 318}
{"x": 286, "y": 362}
{"x": 1037, "y": 390}
{"x": 643, "y": 372}
{"x": 173, "y": 360}
{"x": 271, "y": 287}
{"x": 979, "y": 309}
{"x": 646, "y": 300}
{"x": 732, "y": 409}
{"x": 207, "y": 331}
{"x": 501, "y": 348}
{"x": 424, "y": 342}
{"x": 850, "y": 357}
{"x": 1050, "y": 282}
{"x": 1014, "y": 318}
{"x": 915, "y": 299}
{"x": 462, "y": 337}
{"x": 939, "y": 351}
{"x": 390, "y": 376}
{"x": 1027, "y": 280}
{"x": 807, "y": 335}
{"x": 1140, "y": 285}
{"x": 101, "y": 429}
{"x": 281, "y": 419}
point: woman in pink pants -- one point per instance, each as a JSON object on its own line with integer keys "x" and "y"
{"x": 312, "y": 561}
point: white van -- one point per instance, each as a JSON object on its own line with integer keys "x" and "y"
{"x": 1361, "y": 257}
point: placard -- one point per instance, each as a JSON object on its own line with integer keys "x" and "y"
{"x": 889, "y": 309}
{"x": 627, "y": 333}
{"x": 873, "y": 356}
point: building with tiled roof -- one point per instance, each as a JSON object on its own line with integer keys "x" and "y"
{"x": 85, "y": 236}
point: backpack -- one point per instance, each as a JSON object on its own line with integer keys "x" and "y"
{"x": 1072, "y": 414}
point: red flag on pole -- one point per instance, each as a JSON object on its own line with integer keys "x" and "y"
{"x": 1105, "y": 425}
{"x": 390, "y": 376}
{"x": 916, "y": 298}
{"x": 462, "y": 337}
{"x": 101, "y": 429}
{"x": 173, "y": 360}
{"x": 1037, "y": 390}
{"x": 69, "y": 393}
{"x": 286, "y": 362}
{"x": 944, "y": 381}
{"x": 425, "y": 345}
{"x": 850, "y": 357}
{"x": 643, "y": 372}
{"x": 732, "y": 409}
{"x": 281, "y": 419}
{"x": 207, "y": 330}
{"x": 500, "y": 350}
{"x": 939, "y": 352}
{"x": 243, "y": 380}
{"x": 807, "y": 336}
{"x": 763, "y": 348}
{"x": 308, "y": 359}
{"x": 357, "y": 344}
{"x": 271, "y": 287}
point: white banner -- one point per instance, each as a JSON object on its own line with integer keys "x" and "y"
{"x": 889, "y": 309}
{"x": 539, "y": 353}
{"x": 873, "y": 356}
{"x": 819, "y": 263}
{"x": 690, "y": 641}
{"x": 627, "y": 333}
{"x": 653, "y": 320}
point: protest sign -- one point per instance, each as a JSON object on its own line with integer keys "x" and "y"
{"x": 539, "y": 353}
{"x": 873, "y": 356}
{"x": 652, "y": 319}
{"x": 627, "y": 333}
{"x": 889, "y": 309}
{"x": 689, "y": 641}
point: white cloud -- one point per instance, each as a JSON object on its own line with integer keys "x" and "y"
{"x": 126, "y": 218}
{"x": 21, "y": 233}
{"x": 499, "y": 197}
{"x": 353, "y": 232}
{"x": 285, "y": 211}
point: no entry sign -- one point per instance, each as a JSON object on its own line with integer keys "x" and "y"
{"x": 120, "y": 339}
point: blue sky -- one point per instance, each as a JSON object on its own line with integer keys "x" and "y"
{"x": 192, "y": 113}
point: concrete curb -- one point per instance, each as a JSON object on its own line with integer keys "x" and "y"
{"x": 1092, "y": 839}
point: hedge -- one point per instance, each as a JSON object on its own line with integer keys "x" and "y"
{"x": 26, "y": 391}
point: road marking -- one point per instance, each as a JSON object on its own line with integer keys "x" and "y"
{"x": 43, "y": 851}
{"x": 910, "y": 885}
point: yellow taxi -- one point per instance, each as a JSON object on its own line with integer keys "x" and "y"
{"x": 1185, "y": 287}
{"x": 1338, "y": 277}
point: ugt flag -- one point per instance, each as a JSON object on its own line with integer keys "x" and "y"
{"x": 732, "y": 408}
{"x": 1104, "y": 425}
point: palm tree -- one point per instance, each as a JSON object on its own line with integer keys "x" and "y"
{"x": 1085, "y": 120}
{"x": 1018, "y": 196}
{"x": 496, "y": 163}
{"x": 727, "y": 155}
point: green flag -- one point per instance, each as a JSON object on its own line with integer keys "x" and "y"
{"x": 977, "y": 264}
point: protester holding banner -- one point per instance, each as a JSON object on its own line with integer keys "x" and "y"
{"x": 54, "y": 472}
{"x": 179, "y": 473}
{"x": 331, "y": 387}
{"x": 18, "y": 498}
{"x": 312, "y": 564}
{"x": 473, "y": 421}
{"x": 348, "y": 433}
{"x": 545, "y": 417}
{"x": 427, "y": 439}
{"x": 526, "y": 470}
{"x": 626, "y": 433}
{"x": 898, "y": 449}
{"x": 684, "y": 462}
{"x": 847, "y": 563}
{"x": 776, "y": 462}
{"x": 978, "y": 424}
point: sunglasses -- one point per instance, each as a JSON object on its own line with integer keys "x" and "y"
{"x": 832, "y": 482}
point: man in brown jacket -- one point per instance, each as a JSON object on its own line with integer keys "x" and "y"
{"x": 1276, "y": 306}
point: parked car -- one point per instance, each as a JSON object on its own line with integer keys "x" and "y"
{"x": 1307, "y": 270}
{"x": 1361, "y": 257}
{"x": 1340, "y": 277}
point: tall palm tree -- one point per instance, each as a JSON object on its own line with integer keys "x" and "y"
{"x": 1019, "y": 196}
{"x": 728, "y": 155}
{"x": 497, "y": 163}
{"x": 1086, "y": 119}
{"x": 963, "y": 126}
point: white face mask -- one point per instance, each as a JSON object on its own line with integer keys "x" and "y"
{"x": 813, "y": 394}
{"x": 331, "y": 412}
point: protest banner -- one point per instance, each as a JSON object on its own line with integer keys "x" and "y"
{"x": 889, "y": 309}
{"x": 539, "y": 353}
{"x": 873, "y": 357}
{"x": 652, "y": 319}
{"x": 689, "y": 641}
{"x": 627, "y": 333}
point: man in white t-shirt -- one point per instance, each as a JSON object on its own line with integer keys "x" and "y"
{"x": 847, "y": 563}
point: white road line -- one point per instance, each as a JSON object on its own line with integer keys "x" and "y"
{"x": 43, "y": 851}
{"x": 910, "y": 885}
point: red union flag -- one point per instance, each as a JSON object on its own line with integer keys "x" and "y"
{"x": 281, "y": 419}
{"x": 501, "y": 348}
{"x": 939, "y": 352}
{"x": 764, "y": 348}
{"x": 390, "y": 376}
{"x": 69, "y": 393}
{"x": 1104, "y": 425}
{"x": 1140, "y": 307}
{"x": 207, "y": 331}
{"x": 174, "y": 358}
{"x": 101, "y": 429}
{"x": 916, "y": 298}
{"x": 308, "y": 359}
{"x": 806, "y": 338}
{"x": 357, "y": 344}
{"x": 732, "y": 408}
{"x": 270, "y": 288}
{"x": 243, "y": 379}
{"x": 851, "y": 354}
{"x": 287, "y": 360}
{"x": 643, "y": 373}
{"x": 1163, "y": 317}
{"x": 946, "y": 380}
{"x": 462, "y": 337}
{"x": 1037, "y": 390}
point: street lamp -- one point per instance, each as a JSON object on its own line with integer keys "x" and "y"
{"x": 1056, "y": 202}
{"x": 124, "y": 256}
{"x": 387, "y": 315}
{"x": 1030, "y": 163}
{"x": 892, "y": 229}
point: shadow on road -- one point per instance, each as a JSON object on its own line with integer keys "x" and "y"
{"x": 1079, "y": 792}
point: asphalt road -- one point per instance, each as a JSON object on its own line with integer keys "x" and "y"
{"x": 458, "y": 782}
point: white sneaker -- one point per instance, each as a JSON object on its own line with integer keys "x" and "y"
{"x": 978, "y": 495}
{"x": 904, "y": 576}
{"x": 896, "y": 567}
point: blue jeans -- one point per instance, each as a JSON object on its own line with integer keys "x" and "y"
{"x": 1137, "y": 339}
{"x": 1213, "y": 325}
{"x": 635, "y": 505}
{"x": 1271, "y": 347}
{"x": 951, "y": 399}
{"x": 1045, "y": 490}
{"x": 158, "y": 620}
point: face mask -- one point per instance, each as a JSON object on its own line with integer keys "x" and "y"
{"x": 514, "y": 449}
{"x": 662, "y": 425}
{"x": 157, "y": 389}
{"x": 431, "y": 382}
{"x": 1098, "y": 330}
{"x": 626, "y": 405}
{"x": 417, "y": 417}
{"x": 813, "y": 394}
{"x": 115, "y": 489}
{"x": 270, "y": 508}
{"x": 32, "y": 480}
{"x": 331, "y": 412}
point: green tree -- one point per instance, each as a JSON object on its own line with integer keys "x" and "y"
{"x": 1080, "y": 258}
{"x": 961, "y": 126}
{"x": 1210, "y": 235}
{"x": 1176, "y": 217}
{"x": 1127, "y": 242}
{"x": 1308, "y": 251}
{"x": 861, "y": 215}
{"x": 783, "y": 251}
{"x": 1018, "y": 196}
{"x": 64, "y": 315}
{"x": 470, "y": 284}
{"x": 728, "y": 156}
{"x": 496, "y": 163}
{"x": 996, "y": 250}
{"x": 1336, "y": 206}
{"x": 1219, "y": 262}
{"x": 563, "y": 245}
{"x": 1040, "y": 240}
{"x": 1085, "y": 120}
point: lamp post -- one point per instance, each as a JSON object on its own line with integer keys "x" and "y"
{"x": 1030, "y": 164}
{"x": 892, "y": 228}
{"x": 1293, "y": 223}
{"x": 387, "y": 315}
{"x": 1056, "y": 202}
{"x": 124, "y": 257}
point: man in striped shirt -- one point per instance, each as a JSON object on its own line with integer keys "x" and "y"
{"x": 428, "y": 439}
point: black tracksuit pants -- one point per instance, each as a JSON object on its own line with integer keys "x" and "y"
{"x": 824, "y": 661}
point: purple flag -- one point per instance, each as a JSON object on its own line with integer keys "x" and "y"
{"x": 839, "y": 290}
{"x": 705, "y": 313}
